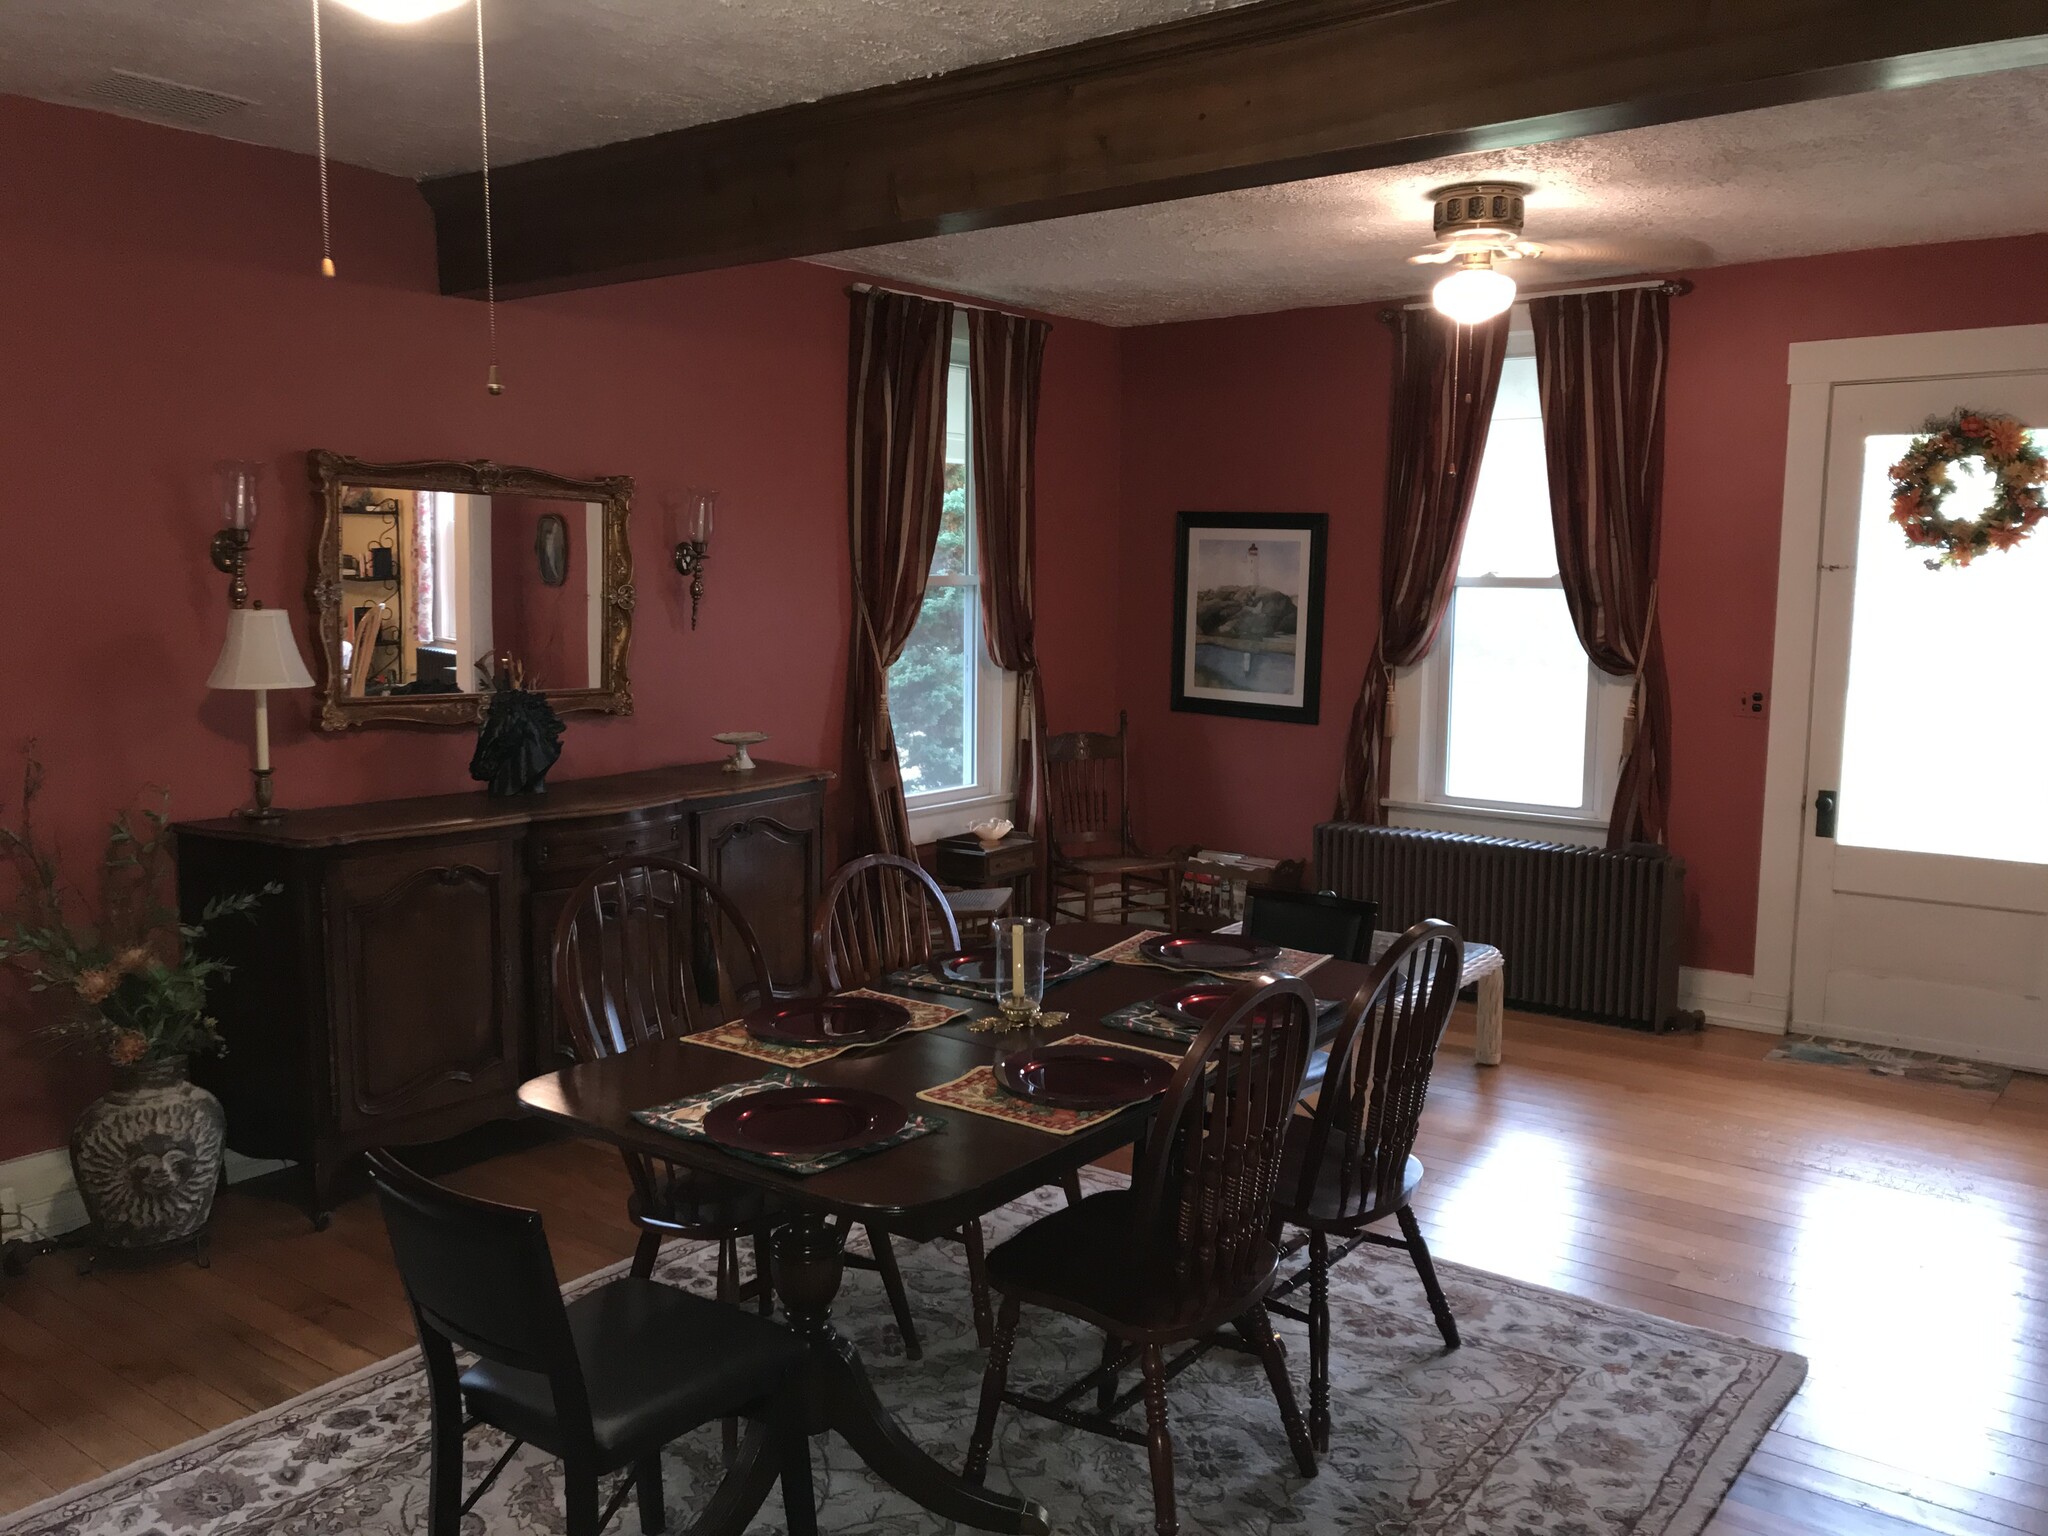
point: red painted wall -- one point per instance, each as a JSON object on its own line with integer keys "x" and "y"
{"x": 1288, "y": 412}
{"x": 163, "y": 310}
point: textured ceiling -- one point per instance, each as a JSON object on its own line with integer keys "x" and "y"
{"x": 564, "y": 74}
{"x": 1965, "y": 159}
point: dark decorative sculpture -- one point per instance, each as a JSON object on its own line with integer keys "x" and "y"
{"x": 520, "y": 739}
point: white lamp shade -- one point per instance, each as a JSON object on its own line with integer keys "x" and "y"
{"x": 259, "y": 652}
{"x": 1473, "y": 294}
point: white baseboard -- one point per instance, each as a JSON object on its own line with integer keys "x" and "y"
{"x": 1732, "y": 1001}
{"x": 49, "y": 1201}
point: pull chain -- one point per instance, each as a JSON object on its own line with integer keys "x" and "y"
{"x": 320, "y": 133}
{"x": 483, "y": 118}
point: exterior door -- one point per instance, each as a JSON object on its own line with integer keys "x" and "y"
{"x": 1923, "y": 891}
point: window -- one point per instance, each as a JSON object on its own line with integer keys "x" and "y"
{"x": 948, "y": 702}
{"x": 1507, "y": 717}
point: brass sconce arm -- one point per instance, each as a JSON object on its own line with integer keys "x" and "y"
{"x": 691, "y": 557}
{"x": 229, "y": 549}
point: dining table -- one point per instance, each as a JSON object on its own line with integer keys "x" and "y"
{"x": 919, "y": 1189}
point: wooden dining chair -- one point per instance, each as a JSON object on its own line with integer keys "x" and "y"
{"x": 1186, "y": 1251}
{"x": 647, "y": 948}
{"x": 880, "y": 914}
{"x": 1096, "y": 862}
{"x": 1352, "y": 1163}
{"x": 603, "y": 1382}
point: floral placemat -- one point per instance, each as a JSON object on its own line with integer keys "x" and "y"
{"x": 923, "y": 978}
{"x": 685, "y": 1117}
{"x": 734, "y": 1037}
{"x": 1289, "y": 962}
{"x": 1146, "y": 1017}
{"x": 979, "y": 1093}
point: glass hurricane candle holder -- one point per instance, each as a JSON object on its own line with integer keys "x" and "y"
{"x": 1020, "y": 967}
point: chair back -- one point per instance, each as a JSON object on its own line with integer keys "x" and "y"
{"x": 1371, "y": 1101}
{"x": 1206, "y": 1175}
{"x": 1319, "y": 921}
{"x": 480, "y": 1277}
{"x": 1088, "y": 785}
{"x": 880, "y": 913}
{"x": 648, "y": 948}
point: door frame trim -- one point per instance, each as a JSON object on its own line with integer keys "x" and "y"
{"x": 1813, "y": 371}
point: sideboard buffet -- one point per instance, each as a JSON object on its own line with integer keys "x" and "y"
{"x": 397, "y": 989}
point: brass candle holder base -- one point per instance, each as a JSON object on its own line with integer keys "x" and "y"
{"x": 260, "y": 808}
{"x": 1000, "y": 1023}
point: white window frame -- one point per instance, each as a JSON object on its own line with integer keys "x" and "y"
{"x": 1421, "y": 727}
{"x": 946, "y": 812}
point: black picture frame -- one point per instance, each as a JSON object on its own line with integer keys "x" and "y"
{"x": 1202, "y": 687}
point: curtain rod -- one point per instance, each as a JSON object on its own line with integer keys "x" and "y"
{"x": 911, "y": 293}
{"x": 1676, "y": 287}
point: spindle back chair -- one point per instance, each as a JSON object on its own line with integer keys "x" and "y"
{"x": 879, "y": 914}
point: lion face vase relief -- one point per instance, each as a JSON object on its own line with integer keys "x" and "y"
{"x": 147, "y": 1158}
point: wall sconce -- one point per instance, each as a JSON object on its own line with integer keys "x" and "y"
{"x": 695, "y": 548}
{"x": 230, "y": 546}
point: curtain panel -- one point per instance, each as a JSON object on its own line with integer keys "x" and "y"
{"x": 1005, "y": 354}
{"x": 895, "y": 456}
{"x": 1600, "y": 365}
{"x": 1445, "y": 379}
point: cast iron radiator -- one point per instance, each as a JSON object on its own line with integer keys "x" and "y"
{"x": 1590, "y": 932}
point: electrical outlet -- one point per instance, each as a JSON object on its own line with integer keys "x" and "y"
{"x": 1750, "y": 705}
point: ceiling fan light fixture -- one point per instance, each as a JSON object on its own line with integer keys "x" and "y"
{"x": 401, "y": 13}
{"x": 1474, "y": 292}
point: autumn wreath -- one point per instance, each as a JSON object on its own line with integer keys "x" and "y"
{"x": 1920, "y": 484}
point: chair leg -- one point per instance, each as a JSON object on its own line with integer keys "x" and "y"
{"x": 444, "y": 1479}
{"x": 762, "y": 1281}
{"x": 977, "y": 1282}
{"x": 1070, "y": 1186}
{"x": 580, "y": 1496}
{"x": 1158, "y": 1441}
{"x": 647, "y": 1482}
{"x": 993, "y": 1379}
{"x": 728, "y": 1294}
{"x": 644, "y": 1254}
{"x": 899, "y": 1300}
{"x": 1418, "y": 1250}
{"x": 1105, "y": 1395}
{"x": 799, "y": 1502}
{"x": 1257, "y": 1329}
{"x": 1319, "y": 1339}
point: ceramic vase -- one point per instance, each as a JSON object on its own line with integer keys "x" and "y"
{"x": 147, "y": 1158}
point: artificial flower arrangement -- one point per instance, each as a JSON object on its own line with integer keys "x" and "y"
{"x": 128, "y": 981}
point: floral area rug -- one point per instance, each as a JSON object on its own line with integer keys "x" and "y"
{"x": 1558, "y": 1417}
{"x": 1895, "y": 1061}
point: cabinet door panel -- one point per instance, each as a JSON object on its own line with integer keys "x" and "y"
{"x": 426, "y": 970}
{"x": 768, "y": 856}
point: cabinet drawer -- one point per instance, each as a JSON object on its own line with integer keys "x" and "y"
{"x": 560, "y": 854}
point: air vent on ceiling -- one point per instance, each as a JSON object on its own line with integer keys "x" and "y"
{"x": 165, "y": 101}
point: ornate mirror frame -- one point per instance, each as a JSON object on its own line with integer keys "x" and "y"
{"x": 334, "y": 473}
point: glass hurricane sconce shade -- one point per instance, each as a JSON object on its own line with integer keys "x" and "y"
{"x": 697, "y": 511}
{"x": 1474, "y": 292}
{"x": 229, "y": 548}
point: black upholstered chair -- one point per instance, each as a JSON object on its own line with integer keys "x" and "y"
{"x": 1186, "y": 1252}
{"x": 1320, "y": 921}
{"x": 603, "y": 1382}
{"x": 1352, "y": 1165}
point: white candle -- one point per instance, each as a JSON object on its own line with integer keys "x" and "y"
{"x": 262, "y": 731}
{"x": 1017, "y": 960}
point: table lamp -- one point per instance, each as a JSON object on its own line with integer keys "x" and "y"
{"x": 259, "y": 655}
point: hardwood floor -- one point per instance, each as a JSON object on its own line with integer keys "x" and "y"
{"x": 1890, "y": 1231}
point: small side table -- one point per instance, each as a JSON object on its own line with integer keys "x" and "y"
{"x": 975, "y": 909}
{"x": 1012, "y": 862}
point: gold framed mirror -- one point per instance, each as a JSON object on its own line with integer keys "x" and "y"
{"x": 425, "y": 572}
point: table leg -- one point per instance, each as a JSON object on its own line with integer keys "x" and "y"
{"x": 808, "y": 1265}
{"x": 1492, "y": 1003}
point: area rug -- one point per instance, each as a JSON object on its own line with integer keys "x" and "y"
{"x": 1558, "y": 1417}
{"x": 1893, "y": 1061}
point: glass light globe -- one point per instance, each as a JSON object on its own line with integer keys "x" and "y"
{"x": 1472, "y": 294}
{"x": 400, "y": 12}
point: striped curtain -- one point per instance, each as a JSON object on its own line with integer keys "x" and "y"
{"x": 895, "y": 469}
{"x": 1600, "y": 363}
{"x": 1445, "y": 379}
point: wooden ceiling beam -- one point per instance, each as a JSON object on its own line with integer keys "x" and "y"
{"x": 1259, "y": 94}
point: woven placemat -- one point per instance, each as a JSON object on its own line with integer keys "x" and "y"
{"x": 978, "y": 1093}
{"x": 734, "y": 1037}
{"x": 685, "y": 1118}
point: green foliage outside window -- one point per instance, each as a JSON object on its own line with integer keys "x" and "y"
{"x": 928, "y": 685}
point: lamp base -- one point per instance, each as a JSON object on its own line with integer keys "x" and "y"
{"x": 260, "y": 808}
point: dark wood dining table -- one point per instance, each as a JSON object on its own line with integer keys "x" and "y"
{"x": 920, "y": 1189}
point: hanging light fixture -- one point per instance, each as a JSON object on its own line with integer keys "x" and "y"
{"x": 1478, "y": 224}
{"x": 403, "y": 12}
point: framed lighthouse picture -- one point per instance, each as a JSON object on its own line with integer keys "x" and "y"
{"x": 1248, "y": 614}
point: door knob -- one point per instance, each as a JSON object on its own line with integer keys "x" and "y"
{"x": 1824, "y": 813}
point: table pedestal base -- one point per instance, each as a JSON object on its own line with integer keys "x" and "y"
{"x": 808, "y": 1265}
